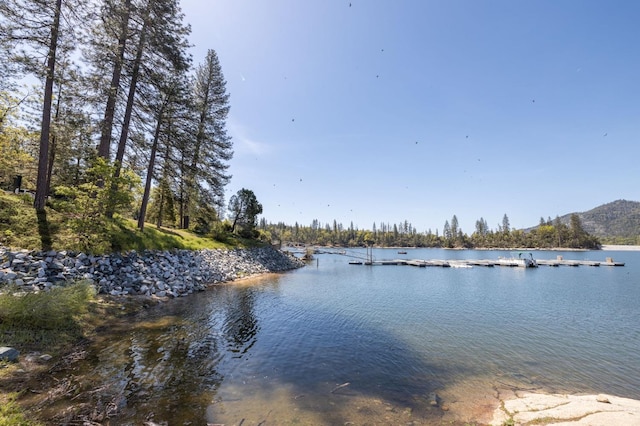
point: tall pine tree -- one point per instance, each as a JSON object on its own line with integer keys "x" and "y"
{"x": 206, "y": 172}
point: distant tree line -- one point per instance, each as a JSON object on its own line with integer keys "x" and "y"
{"x": 119, "y": 120}
{"x": 548, "y": 234}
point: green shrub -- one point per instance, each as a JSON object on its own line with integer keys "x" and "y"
{"x": 11, "y": 414}
{"x": 44, "y": 318}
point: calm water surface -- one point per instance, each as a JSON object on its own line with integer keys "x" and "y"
{"x": 276, "y": 350}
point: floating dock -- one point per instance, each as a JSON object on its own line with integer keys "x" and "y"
{"x": 468, "y": 263}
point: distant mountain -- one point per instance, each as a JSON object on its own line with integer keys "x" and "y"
{"x": 615, "y": 220}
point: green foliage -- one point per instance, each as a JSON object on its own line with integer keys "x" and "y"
{"x": 17, "y": 148}
{"x": 245, "y": 208}
{"x": 89, "y": 193}
{"x": 18, "y": 225}
{"x": 11, "y": 414}
{"x": 405, "y": 235}
{"x": 87, "y": 202}
{"x": 204, "y": 219}
{"x": 161, "y": 208}
{"x": 220, "y": 231}
{"x": 18, "y": 222}
{"x": 44, "y": 318}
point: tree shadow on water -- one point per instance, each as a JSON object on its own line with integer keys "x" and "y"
{"x": 319, "y": 368}
{"x": 239, "y": 355}
{"x": 353, "y": 373}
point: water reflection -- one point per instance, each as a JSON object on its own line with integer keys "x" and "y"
{"x": 166, "y": 364}
{"x": 240, "y": 323}
{"x": 157, "y": 367}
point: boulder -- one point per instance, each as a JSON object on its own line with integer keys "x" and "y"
{"x": 8, "y": 354}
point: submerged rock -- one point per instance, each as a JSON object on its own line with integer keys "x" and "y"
{"x": 434, "y": 399}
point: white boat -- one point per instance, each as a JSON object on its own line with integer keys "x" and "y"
{"x": 521, "y": 261}
{"x": 460, "y": 265}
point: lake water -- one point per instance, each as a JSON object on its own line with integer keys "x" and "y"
{"x": 335, "y": 344}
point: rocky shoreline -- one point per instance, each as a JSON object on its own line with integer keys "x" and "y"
{"x": 567, "y": 410}
{"x": 172, "y": 273}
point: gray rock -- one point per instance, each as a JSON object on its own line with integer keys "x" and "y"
{"x": 10, "y": 276}
{"x": 9, "y": 354}
{"x": 434, "y": 399}
{"x": 176, "y": 272}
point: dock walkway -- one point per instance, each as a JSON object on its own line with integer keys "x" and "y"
{"x": 468, "y": 263}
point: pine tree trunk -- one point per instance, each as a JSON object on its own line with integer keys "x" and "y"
{"x": 164, "y": 177}
{"x": 152, "y": 162}
{"x": 124, "y": 134}
{"x": 191, "y": 179}
{"x": 107, "y": 123}
{"x": 43, "y": 158}
{"x": 183, "y": 176}
{"x": 52, "y": 150}
{"x": 160, "y": 208}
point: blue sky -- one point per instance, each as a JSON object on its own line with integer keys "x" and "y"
{"x": 370, "y": 111}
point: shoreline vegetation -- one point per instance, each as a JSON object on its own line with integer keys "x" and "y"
{"x": 548, "y": 234}
{"x": 61, "y": 229}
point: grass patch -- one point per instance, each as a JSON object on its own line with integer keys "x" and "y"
{"x": 126, "y": 236}
{"x": 53, "y": 319}
{"x": 11, "y": 414}
{"x": 20, "y": 227}
{"x": 18, "y": 222}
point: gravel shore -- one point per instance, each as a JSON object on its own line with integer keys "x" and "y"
{"x": 620, "y": 248}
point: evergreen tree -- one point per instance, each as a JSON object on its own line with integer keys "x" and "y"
{"x": 114, "y": 18}
{"x": 207, "y": 175}
{"x": 446, "y": 233}
{"x": 160, "y": 52}
{"x": 506, "y": 227}
{"x": 171, "y": 101}
{"x": 18, "y": 148}
{"x": 36, "y": 25}
{"x": 244, "y": 208}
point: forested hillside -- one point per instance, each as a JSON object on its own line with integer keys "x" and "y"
{"x": 617, "y": 222}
